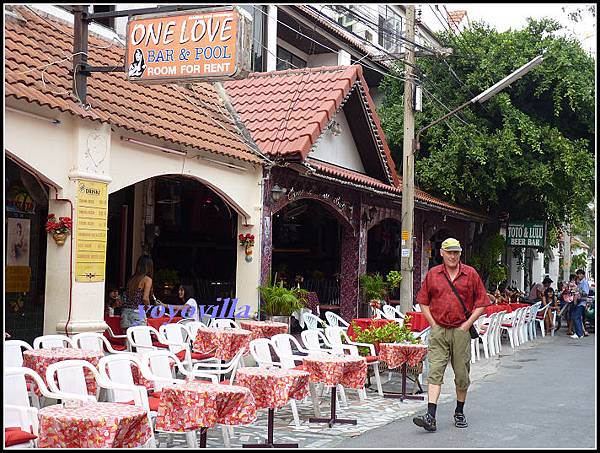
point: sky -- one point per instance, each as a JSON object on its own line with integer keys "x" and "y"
{"x": 504, "y": 16}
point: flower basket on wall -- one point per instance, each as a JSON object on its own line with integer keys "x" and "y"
{"x": 59, "y": 228}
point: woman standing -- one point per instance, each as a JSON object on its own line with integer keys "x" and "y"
{"x": 139, "y": 289}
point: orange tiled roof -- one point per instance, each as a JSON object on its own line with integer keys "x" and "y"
{"x": 37, "y": 59}
{"x": 287, "y": 111}
{"x": 456, "y": 16}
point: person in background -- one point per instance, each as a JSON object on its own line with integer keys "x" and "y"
{"x": 444, "y": 291}
{"x": 579, "y": 302}
{"x": 139, "y": 289}
{"x": 112, "y": 307}
{"x": 537, "y": 290}
{"x": 549, "y": 297}
{"x": 184, "y": 298}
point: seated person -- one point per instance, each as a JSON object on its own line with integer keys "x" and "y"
{"x": 112, "y": 306}
{"x": 549, "y": 297}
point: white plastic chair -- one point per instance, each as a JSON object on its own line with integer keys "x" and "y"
{"x": 17, "y": 410}
{"x": 192, "y": 327}
{"x": 283, "y": 343}
{"x": 389, "y": 312}
{"x": 315, "y": 341}
{"x": 140, "y": 338}
{"x": 260, "y": 349}
{"x": 540, "y": 318}
{"x": 417, "y": 308}
{"x": 224, "y": 323}
{"x": 335, "y": 320}
{"x": 94, "y": 341}
{"x": 161, "y": 367}
{"x": 399, "y": 311}
{"x": 111, "y": 334}
{"x": 378, "y": 313}
{"x": 511, "y": 323}
{"x": 222, "y": 369}
{"x": 475, "y": 341}
{"x": 312, "y": 322}
{"x": 53, "y": 341}
{"x": 486, "y": 330}
{"x": 180, "y": 341}
{"x": 530, "y": 321}
{"x": 13, "y": 355}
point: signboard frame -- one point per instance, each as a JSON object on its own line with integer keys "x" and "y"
{"x": 526, "y": 228}
{"x": 243, "y": 42}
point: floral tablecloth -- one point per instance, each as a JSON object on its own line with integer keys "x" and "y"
{"x": 224, "y": 342}
{"x": 396, "y": 354}
{"x": 273, "y": 387}
{"x": 39, "y": 359}
{"x": 349, "y": 371}
{"x": 93, "y": 425}
{"x": 263, "y": 329}
{"x": 194, "y": 405}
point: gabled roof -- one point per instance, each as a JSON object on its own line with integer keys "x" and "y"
{"x": 287, "y": 111}
{"x": 38, "y": 58}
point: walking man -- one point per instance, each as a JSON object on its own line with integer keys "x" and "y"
{"x": 583, "y": 289}
{"x": 450, "y": 340}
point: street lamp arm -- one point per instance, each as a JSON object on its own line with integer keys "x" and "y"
{"x": 439, "y": 120}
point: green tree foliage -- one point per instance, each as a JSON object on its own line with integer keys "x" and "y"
{"x": 529, "y": 150}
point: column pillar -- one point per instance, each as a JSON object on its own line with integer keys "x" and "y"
{"x": 272, "y": 38}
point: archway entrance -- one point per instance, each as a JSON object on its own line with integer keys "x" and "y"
{"x": 383, "y": 249}
{"x": 307, "y": 244}
{"x": 189, "y": 231}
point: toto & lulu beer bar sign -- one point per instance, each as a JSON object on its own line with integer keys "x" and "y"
{"x": 526, "y": 234}
{"x": 201, "y": 45}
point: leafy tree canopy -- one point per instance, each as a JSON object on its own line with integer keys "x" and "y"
{"x": 528, "y": 150}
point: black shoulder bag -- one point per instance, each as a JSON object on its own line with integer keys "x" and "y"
{"x": 472, "y": 330}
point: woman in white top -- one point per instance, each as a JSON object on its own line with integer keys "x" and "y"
{"x": 190, "y": 312}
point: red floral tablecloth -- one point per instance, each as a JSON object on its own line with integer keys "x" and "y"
{"x": 417, "y": 322}
{"x": 263, "y": 329}
{"x": 224, "y": 342}
{"x": 396, "y": 354}
{"x": 273, "y": 387}
{"x": 194, "y": 405}
{"x": 93, "y": 425}
{"x": 39, "y": 359}
{"x": 365, "y": 323}
{"x": 349, "y": 371}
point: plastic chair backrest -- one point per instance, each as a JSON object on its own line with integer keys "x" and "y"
{"x": 176, "y": 333}
{"x": 222, "y": 323}
{"x": 15, "y": 387}
{"x": 53, "y": 341}
{"x": 117, "y": 368}
{"x": 424, "y": 335}
{"x": 334, "y": 338}
{"x": 417, "y": 308}
{"x": 311, "y": 321}
{"x": 260, "y": 349}
{"x": 70, "y": 376}
{"x": 283, "y": 344}
{"x": 399, "y": 312}
{"x": 389, "y": 312}
{"x": 13, "y": 355}
{"x": 335, "y": 320}
{"x": 312, "y": 340}
{"x": 91, "y": 341}
{"x": 140, "y": 337}
{"x": 193, "y": 328}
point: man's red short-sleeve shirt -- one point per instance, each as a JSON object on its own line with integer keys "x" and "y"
{"x": 445, "y": 307}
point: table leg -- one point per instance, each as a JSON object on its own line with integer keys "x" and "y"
{"x": 402, "y": 395}
{"x": 333, "y": 419}
{"x": 203, "y": 435}
{"x": 270, "y": 443}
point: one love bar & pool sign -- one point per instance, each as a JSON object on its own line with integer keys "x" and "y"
{"x": 526, "y": 234}
{"x": 209, "y": 44}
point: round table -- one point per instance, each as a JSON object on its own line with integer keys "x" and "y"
{"x": 93, "y": 425}
{"x": 224, "y": 342}
{"x": 273, "y": 388}
{"x": 39, "y": 359}
{"x": 263, "y": 329}
{"x": 349, "y": 371}
{"x": 399, "y": 355}
{"x": 195, "y": 405}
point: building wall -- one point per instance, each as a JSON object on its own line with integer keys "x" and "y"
{"x": 83, "y": 149}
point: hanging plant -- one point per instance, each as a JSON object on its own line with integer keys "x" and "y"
{"x": 59, "y": 228}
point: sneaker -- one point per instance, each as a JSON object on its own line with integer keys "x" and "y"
{"x": 575, "y": 337}
{"x": 460, "y": 421}
{"x": 425, "y": 421}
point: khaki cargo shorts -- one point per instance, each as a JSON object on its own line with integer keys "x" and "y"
{"x": 449, "y": 345}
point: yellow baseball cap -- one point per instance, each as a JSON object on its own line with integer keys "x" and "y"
{"x": 451, "y": 245}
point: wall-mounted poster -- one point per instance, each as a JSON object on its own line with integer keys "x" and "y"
{"x": 17, "y": 251}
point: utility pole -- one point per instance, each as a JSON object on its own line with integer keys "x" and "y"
{"x": 408, "y": 173}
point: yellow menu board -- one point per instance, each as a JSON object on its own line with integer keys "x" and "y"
{"x": 92, "y": 214}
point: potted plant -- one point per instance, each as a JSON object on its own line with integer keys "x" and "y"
{"x": 279, "y": 302}
{"x": 59, "y": 228}
{"x": 393, "y": 279}
{"x": 373, "y": 289}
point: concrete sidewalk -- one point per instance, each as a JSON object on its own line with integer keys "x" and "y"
{"x": 541, "y": 395}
